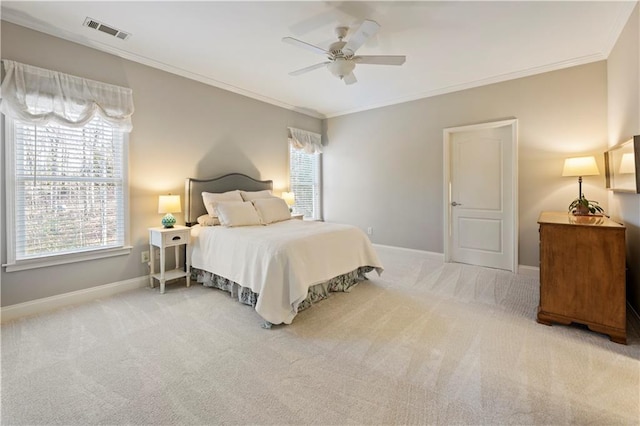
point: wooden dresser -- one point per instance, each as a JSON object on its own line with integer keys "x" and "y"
{"x": 582, "y": 273}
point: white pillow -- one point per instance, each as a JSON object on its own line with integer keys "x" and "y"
{"x": 272, "y": 209}
{"x": 237, "y": 214}
{"x": 206, "y": 220}
{"x": 254, "y": 195}
{"x": 211, "y": 198}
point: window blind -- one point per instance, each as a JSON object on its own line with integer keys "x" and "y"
{"x": 68, "y": 188}
{"x": 304, "y": 182}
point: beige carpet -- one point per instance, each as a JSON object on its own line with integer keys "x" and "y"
{"x": 426, "y": 343}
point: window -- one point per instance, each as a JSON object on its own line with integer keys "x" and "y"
{"x": 67, "y": 188}
{"x": 305, "y": 183}
{"x": 305, "y": 150}
{"x": 66, "y": 167}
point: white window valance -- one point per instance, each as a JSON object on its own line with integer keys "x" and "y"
{"x": 38, "y": 96}
{"x": 309, "y": 142}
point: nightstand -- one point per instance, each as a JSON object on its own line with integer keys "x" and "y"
{"x": 298, "y": 216}
{"x": 162, "y": 238}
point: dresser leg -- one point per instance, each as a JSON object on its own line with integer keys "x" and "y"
{"x": 542, "y": 321}
{"x": 547, "y": 319}
{"x": 618, "y": 339}
{"x": 615, "y": 335}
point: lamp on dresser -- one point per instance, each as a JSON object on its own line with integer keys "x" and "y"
{"x": 169, "y": 204}
{"x": 580, "y": 166}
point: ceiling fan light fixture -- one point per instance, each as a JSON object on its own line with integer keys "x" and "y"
{"x": 341, "y": 67}
{"x": 340, "y": 59}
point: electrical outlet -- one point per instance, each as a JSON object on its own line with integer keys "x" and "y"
{"x": 144, "y": 258}
{"x": 369, "y": 230}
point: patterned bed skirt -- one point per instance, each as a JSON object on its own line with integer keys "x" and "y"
{"x": 316, "y": 293}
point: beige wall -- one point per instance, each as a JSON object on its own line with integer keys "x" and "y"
{"x": 383, "y": 167}
{"x": 623, "y": 69}
{"x": 182, "y": 128}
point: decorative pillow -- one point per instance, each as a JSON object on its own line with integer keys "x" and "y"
{"x": 237, "y": 214}
{"x": 254, "y": 195}
{"x": 206, "y": 220}
{"x": 211, "y": 198}
{"x": 272, "y": 209}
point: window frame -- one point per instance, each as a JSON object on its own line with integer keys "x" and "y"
{"x": 318, "y": 176}
{"x": 58, "y": 259}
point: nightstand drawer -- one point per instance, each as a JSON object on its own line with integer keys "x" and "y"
{"x": 175, "y": 238}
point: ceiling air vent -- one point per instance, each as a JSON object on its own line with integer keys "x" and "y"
{"x": 107, "y": 29}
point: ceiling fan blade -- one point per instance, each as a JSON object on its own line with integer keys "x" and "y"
{"x": 380, "y": 60}
{"x": 305, "y": 45}
{"x": 362, "y": 34}
{"x": 349, "y": 78}
{"x": 310, "y": 68}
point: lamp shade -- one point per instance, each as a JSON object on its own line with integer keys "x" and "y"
{"x": 169, "y": 204}
{"x": 627, "y": 163}
{"x": 580, "y": 166}
{"x": 289, "y": 198}
{"x": 341, "y": 67}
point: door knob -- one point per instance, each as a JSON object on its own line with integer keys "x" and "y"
{"x": 455, "y": 204}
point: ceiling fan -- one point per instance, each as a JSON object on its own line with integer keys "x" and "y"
{"x": 341, "y": 55}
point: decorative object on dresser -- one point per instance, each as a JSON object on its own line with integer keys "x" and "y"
{"x": 169, "y": 204}
{"x": 583, "y": 207}
{"x": 162, "y": 238}
{"x": 582, "y": 273}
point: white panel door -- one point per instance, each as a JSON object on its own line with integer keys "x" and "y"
{"x": 481, "y": 207}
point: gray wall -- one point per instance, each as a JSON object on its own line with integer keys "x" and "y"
{"x": 383, "y": 168}
{"x": 623, "y": 68}
{"x": 182, "y": 128}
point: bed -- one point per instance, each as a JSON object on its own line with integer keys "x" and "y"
{"x": 281, "y": 268}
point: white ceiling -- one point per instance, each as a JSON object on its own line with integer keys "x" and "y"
{"x": 237, "y": 45}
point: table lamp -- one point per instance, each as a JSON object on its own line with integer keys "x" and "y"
{"x": 580, "y": 166}
{"x": 289, "y": 198}
{"x": 169, "y": 204}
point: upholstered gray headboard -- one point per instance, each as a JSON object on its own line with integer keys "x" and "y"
{"x": 193, "y": 189}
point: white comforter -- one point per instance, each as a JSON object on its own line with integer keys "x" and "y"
{"x": 282, "y": 260}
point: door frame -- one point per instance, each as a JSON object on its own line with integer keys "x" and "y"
{"x": 447, "y": 136}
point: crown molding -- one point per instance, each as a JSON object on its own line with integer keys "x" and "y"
{"x": 476, "y": 83}
{"x": 9, "y": 16}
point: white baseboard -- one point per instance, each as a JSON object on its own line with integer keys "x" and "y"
{"x": 522, "y": 269}
{"x": 429, "y": 253}
{"x": 46, "y": 304}
{"x": 528, "y": 270}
